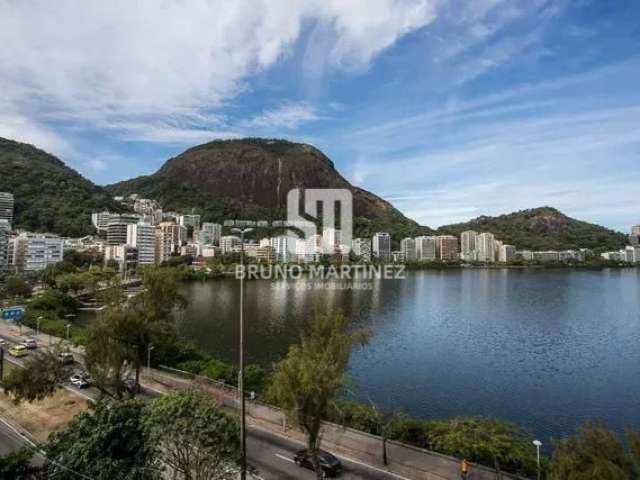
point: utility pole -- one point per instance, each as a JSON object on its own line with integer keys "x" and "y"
{"x": 243, "y": 430}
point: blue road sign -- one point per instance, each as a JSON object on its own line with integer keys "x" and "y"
{"x": 12, "y": 314}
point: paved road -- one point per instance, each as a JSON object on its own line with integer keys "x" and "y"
{"x": 10, "y": 440}
{"x": 272, "y": 456}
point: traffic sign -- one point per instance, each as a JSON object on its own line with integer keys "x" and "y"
{"x": 12, "y": 314}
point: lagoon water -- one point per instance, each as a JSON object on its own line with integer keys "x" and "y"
{"x": 547, "y": 349}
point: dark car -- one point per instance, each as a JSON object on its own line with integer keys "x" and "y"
{"x": 331, "y": 466}
{"x": 66, "y": 358}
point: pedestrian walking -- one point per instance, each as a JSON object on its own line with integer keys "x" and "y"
{"x": 464, "y": 469}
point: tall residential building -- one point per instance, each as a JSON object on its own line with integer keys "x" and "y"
{"x": 507, "y": 253}
{"x": 634, "y": 239}
{"x": 635, "y": 230}
{"x": 6, "y": 207}
{"x": 447, "y": 248}
{"x": 177, "y": 233}
{"x": 468, "y": 245}
{"x": 164, "y": 245}
{"x": 426, "y": 248}
{"x": 485, "y": 246}
{"x": 125, "y": 256}
{"x": 101, "y": 220}
{"x": 408, "y": 249}
{"x": 191, "y": 223}
{"x": 362, "y": 248}
{"x": 210, "y": 234}
{"x": 117, "y": 233}
{"x": 33, "y": 252}
{"x": 230, "y": 244}
{"x": 381, "y": 246}
{"x": 5, "y": 231}
{"x": 143, "y": 237}
{"x": 280, "y": 248}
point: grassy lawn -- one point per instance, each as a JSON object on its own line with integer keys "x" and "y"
{"x": 42, "y": 418}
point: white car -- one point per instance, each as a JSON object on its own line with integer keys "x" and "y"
{"x": 77, "y": 380}
{"x": 30, "y": 343}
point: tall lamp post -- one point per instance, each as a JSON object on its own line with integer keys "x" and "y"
{"x": 38, "y": 325}
{"x": 243, "y": 431}
{"x": 538, "y": 444}
{"x": 149, "y": 348}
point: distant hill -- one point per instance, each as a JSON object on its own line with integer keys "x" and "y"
{"x": 542, "y": 228}
{"x": 250, "y": 178}
{"x": 49, "y": 196}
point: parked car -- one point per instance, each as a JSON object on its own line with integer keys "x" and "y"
{"x": 331, "y": 466}
{"x": 30, "y": 343}
{"x": 66, "y": 358}
{"x": 78, "y": 380}
{"x": 18, "y": 351}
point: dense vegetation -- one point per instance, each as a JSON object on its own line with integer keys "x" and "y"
{"x": 542, "y": 229}
{"x": 49, "y": 196}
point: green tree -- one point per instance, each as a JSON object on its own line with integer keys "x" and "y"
{"x": 593, "y": 452}
{"x": 195, "y": 438}
{"x": 104, "y": 443}
{"x": 18, "y": 466}
{"x": 306, "y": 382}
{"x": 41, "y": 377}
{"x": 17, "y": 286}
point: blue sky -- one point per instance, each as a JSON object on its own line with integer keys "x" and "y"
{"x": 449, "y": 110}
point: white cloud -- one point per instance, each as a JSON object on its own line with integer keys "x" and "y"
{"x": 119, "y": 60}
{"x": 288, "y": 115}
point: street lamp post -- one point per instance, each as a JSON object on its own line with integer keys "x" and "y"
{"x": 68, "y": 328}
{"x": 38, "y": 325}
{"x": 243, "y": 431}
{"x": 538, "y": 444}
{"x": 149, "y": 348}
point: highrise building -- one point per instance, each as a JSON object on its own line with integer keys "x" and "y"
{"x": 362, "y": 248}
{"x": 210, "y": 234}
{"x": 468, "y": 245}
{"x": 5, "y": 231}
{"x": 33, "y": 252}
{"x": 143, "y": 237}
{"x": 635, "y": 230}
{"x": 177, "y": 233}
{"x": 408, "y": 249}
{"x": 280, "y": 248}
{"x": 191, "y": 223}
{"x": 381, "y": 246}
{"x": 230, "y": 244}
{"x": 507, "y": 253}
{"x": 447, "y": 248}
{"x": 117, "y": 233}
{"x": 485, "y": 246}
{"x": 164, "y": 245}
{"x": 6, "y": 207}
{"x": 426, "y": 248}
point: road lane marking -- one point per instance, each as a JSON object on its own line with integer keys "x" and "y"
{"x": 282, "y": 457}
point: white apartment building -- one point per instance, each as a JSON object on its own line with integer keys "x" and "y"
{"x": 210, "y": 234}
{"x": 101, "y": 220}
{"x": 142, "y": 236}
{"x": 33, "y": 252}
{"x": 362, "y": 248}
{"x": 426, "y": 248}
{"x": 468, "y": 245}
{"x": 408, "y": 249}
{"x": 164, "y": 245}
{"x": 125, "y": 256}
{"x": 190, "y": 221}
{"x": 485, "y": 246}
{"x": 381, "y": 246}
{"x": 230, "y": 244}
{"x": 447, "y": 248}
{"x": 177, "y": 233}
{"x": 6, "y": 207}
{"x": 280, "y": 246}
{"x": 5, "y": 231}
{"x": 507, "y": 253}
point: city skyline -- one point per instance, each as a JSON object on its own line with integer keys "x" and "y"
{"x": 526, "y": 104}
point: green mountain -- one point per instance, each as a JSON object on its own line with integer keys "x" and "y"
{"x": 542, "y": 228}
{"x": 250, "y": 178}
{"x": 49, "y": 196}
